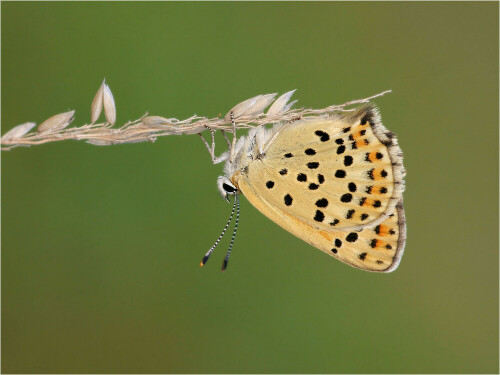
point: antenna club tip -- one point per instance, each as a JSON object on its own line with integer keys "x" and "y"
{"x": 204, "y": 260}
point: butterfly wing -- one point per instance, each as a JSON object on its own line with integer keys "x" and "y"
{"x": 327, "y": 179}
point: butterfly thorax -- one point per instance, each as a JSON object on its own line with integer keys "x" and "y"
{"x": 249, "y": 149}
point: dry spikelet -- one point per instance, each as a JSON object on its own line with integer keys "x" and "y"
{"x": 280, "y": 103}
{"x": 262, "y": 102}
{"x": 241, "y": 108}
{"x": 99, "y": 142}
{"x": 57, "y": 122}
{"x": 96, "y": 108}
{"x": 289, "y": 105}
{"x": 109, "y": 105}
{"x": 18, "y": 131}
{"x": 155, "y": 121}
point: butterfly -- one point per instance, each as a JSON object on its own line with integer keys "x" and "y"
{"x": 336, "y": 182}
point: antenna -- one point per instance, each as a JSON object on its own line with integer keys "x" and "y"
{"x": 209, "y": 252}
{"x": 226, "y": 259}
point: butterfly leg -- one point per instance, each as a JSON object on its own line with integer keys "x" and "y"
{"x": 226, "y": 138}
{"x": 211, "y": 149}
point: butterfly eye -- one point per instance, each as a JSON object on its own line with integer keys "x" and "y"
{"x": 228, "y": 188}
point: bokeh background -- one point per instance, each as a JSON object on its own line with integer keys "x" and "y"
{"x": 101, "y": 245}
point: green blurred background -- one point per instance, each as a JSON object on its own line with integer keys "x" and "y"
{"x": 101, "y": 245}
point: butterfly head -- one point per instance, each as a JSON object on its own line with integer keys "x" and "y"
{"x": 226, "y": 187}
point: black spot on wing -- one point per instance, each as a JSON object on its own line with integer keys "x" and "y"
{"x": 340, "y": 173}
{"x": 310, "y": 151}
{"x": 370, "y": 174}
{"x": 334, "y": 222}
{"x": 322, "y": 203}
{"x": 319, "y": 216}
{"x": 301, "y": 177}
{"x": 352, "y": 237}
{"x": 346, "y": 198}
{"x": 323, "y": 137}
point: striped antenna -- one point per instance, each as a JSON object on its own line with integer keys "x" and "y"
{"x": 209, "y": 252}
{"x": 226, "y": 259}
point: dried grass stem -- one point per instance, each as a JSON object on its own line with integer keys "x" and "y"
{"x": 148, "y": 129}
